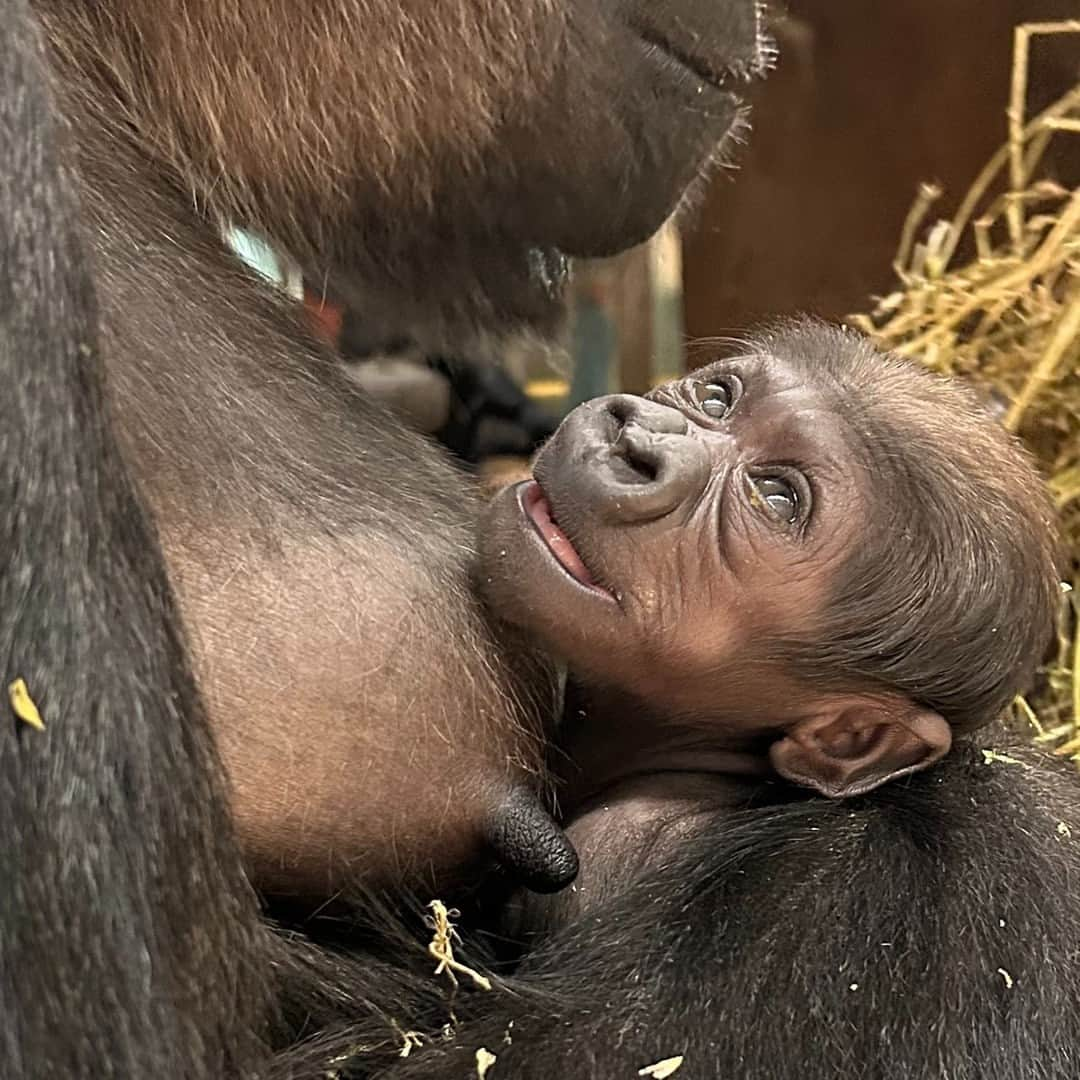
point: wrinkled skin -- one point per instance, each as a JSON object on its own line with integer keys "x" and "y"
{"x": 449, "y": 153}
{"x": 656, "y": 550}
{"x": 667, "y": 562}
{"x": 657, "y": 483}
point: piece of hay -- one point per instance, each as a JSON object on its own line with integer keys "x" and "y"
{"x": 991, "y": 757}
{"x": 410, "y": 1040}
{"x": 662, "y": 1069}
{"x": 1007, "y": 318}
{"x": 23, "y": 706}
{"x": 349, "y": 1056}
{"x": 442, "y": 947}
{"x": 484, "y": 1060}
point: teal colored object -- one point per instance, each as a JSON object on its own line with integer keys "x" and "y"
{"x": 257, "y": 253}
{"x": 261, "y": 256}
{"x": 594, "y": 344}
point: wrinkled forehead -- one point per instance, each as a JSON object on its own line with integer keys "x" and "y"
{"x": 775, "y": 371}
{"x": 794, "y": 409}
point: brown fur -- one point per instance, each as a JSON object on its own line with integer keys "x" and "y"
{"x": 130, "y": 943}
{"x": 249, "y": 443}
{"x": 370, "y": 720}
{"x": 966, "y": 592}
{"x": 429, "y": 146}
{"x": 393, "y": 139}
{"x": 265, "y": 110}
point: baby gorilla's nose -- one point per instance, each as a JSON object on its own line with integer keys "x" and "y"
{"x": 653, "y": 466}
{"x": 650, "y": 415}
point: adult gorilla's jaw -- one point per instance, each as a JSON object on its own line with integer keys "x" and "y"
{"x": 629, "y": 180}
{"x": 650, "y": 188}
{"x": 715, "y": 40}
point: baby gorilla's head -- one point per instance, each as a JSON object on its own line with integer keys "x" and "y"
{"x": 808, "y": 551}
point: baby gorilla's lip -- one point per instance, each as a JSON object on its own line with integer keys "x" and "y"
{"x": 538, "y": 510}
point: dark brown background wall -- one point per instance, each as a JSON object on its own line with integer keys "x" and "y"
{"x": 870, "y": 98}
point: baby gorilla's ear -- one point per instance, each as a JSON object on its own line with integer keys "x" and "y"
{"x": 858, "y": 744}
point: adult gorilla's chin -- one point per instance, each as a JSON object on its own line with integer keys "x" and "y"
{"x": 609, "y": 151}
{"x": 614, "y": 112}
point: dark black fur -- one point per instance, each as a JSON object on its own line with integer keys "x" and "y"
{"x": 130, "y": 941}
{"x": 929, "y": 929}
{"x": 128, "y": 935}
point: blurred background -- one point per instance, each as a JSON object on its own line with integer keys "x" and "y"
{"x": 868, "y": 101}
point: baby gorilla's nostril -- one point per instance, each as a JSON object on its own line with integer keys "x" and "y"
{"x": 648, "y": 463}
{"x": 621, "y": 407}
{"x": 651, "y": 415}
{"x": 633, "y": 459}
{"x": 636, "y": 453}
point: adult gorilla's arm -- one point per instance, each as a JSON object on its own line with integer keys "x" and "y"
{"x": 112, "y": 961}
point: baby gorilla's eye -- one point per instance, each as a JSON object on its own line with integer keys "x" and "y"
{"x": 717, "y": 398}
{"x": 778, "y": 496}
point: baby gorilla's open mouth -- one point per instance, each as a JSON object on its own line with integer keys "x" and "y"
{"x": 538, "y": 510}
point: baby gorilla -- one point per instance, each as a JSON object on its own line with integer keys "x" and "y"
{"x": 809, "y": 561}
{"x": 803, "y": 571}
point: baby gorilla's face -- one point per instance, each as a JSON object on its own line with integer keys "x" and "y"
{"x": 663, "y": 538}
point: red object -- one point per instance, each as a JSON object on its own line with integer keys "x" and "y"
{"x": 325, "y": 316}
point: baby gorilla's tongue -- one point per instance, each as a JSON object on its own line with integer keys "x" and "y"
{"x": 539, "y": 511}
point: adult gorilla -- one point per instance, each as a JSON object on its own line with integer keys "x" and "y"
{"x": 452, "y": 152}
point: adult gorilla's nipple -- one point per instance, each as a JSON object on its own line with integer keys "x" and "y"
{"x": 529, "y": 845}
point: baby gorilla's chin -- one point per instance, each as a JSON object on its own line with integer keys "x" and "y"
{"x": 530, "y": 575}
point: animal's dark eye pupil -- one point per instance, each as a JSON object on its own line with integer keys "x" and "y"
{"x": 779, "y": 496}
